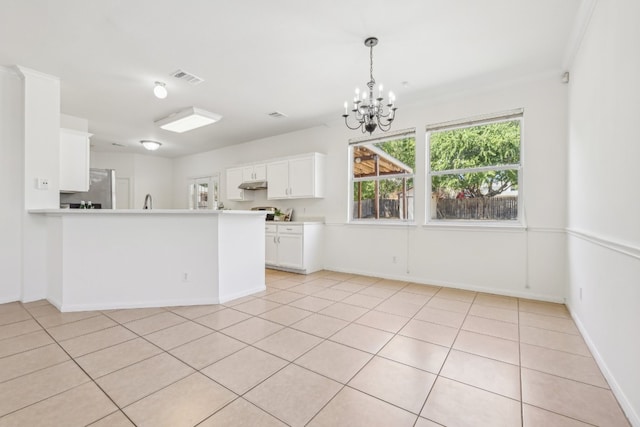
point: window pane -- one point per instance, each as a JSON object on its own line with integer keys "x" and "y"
{"x": 491, "y": 144}
{"x": 397, "y": 157}
{"x": 202, "y": 192}
{"x": 384, "y": 171}
{"x": 395, "y": 199}
{"x": 480, "y": 196}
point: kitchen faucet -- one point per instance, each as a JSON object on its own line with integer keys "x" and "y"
{"x": 148, "y": 202}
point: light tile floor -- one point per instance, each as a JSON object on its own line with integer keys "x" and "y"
{"x": 328, "y": 349}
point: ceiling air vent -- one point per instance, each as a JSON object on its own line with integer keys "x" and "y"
{"x": 187, "y": 77}
{"x": 277, "y": 115}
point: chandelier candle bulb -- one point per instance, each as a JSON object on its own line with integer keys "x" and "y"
{"x": 345, "y": 108}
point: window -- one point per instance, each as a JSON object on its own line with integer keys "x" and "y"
{"x": 474, "y": 169}
{"x": 203, "y": 192}
{"x": 382, "y": 177}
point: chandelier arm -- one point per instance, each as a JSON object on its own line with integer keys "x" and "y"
{"x": 385, "y": 126}
{"x": 390, "y": 114}
{"x": 346, "y": 117}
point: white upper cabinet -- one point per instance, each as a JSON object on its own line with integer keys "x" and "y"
{"x": 278, "y": 180}
{"x": 296, "y": 177}
{"x": 234, "y": 179}
{"x": 256, "y": 172}
{"x": 74, "y": 160}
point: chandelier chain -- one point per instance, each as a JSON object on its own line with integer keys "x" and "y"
{"x": 371, "y": 66}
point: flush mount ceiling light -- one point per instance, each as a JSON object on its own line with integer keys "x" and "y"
{"x": 160, "y": 90}
{"x": 150, "y": 145}
{"x": 188, "y": 119}
{"x": 369, "y": 112}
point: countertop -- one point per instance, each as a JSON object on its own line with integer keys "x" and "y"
{"x": 302, "y": 222}
{"x": 93, "y": 212}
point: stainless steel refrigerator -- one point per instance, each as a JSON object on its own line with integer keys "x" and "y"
{"x": 101, "y": 194}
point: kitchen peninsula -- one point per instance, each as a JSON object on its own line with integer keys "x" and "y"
{"x": 108, "y": 259}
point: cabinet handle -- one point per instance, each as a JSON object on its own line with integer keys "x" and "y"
{"x": 278, "y": 239}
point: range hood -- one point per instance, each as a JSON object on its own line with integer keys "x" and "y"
{"x": 253, "y": 185}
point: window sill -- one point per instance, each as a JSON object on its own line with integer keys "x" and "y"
{"x": 383, "y": 223}
{"x": 474, "y": 226}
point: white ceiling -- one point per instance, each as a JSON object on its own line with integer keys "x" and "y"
{"x": 301, "y": 58}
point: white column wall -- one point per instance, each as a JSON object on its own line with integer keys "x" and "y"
{"x": 604, "y": 206}
{"x": 41, "y": 145}
{"x": 11, "y": 187}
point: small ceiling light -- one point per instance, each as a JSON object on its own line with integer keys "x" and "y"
{"x": 150, "y": 145}
{"x": 188, "y": 119}
{"x": 369, "y": 111}
{"x": 160, "y": 90}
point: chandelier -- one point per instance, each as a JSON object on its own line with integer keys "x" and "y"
{"x": 369, "y": 112}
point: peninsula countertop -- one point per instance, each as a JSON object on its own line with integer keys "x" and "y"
{"x": 144, "y": 212}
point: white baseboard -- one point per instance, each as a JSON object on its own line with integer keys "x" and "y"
{"x": 120, "y": 305}
{"x": 456, "y": 285}
{"x": 7, "y": 300}
{"x": 627, "y": 408}
{"x": 230, "y": 297}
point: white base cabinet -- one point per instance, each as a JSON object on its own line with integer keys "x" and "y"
{"x": 294, "y": 247}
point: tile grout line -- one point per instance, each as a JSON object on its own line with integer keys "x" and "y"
{"x": 438, "y": 375}
{"x": 85, "y": 372}
{"x": 520, "y": 366}
{"x": 323, "y": 339}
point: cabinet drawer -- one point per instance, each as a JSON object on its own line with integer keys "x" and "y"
{"x": 290, "y": 229}
{"x": 270, "y": 228}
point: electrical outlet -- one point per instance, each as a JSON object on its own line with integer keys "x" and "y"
{"x": 42, "y": 183}
{"x": 394, "y": 259}
{"x": 580, "y": 294}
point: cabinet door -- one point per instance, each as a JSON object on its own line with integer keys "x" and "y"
{"x": 302, "y": 177}
{"x": 74, "y": 161}
{"x": 247, "y": 174}
{"x": 271, "y": 249}
{"x": 278, "y": 180}
{"x": 234, "y": 179}
{"x": 290, "y": 251}
{"x": 260, "y": 172}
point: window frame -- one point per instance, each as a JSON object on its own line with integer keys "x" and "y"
{"x": 507, "y": 116}
{"x": 368, "y": 140}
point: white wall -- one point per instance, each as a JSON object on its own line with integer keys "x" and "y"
{"x": 41, "y": 145}
{"x": 11, "y": 188}
{"x": 604, "y": 205}
{"x": 147, "y": 174}
{"x": 153, "y": 175}
{"x": 496, "y": 260}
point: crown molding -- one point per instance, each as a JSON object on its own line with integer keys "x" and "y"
{"x": 580, "y": 25}
{"x": 25, "y": 72}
